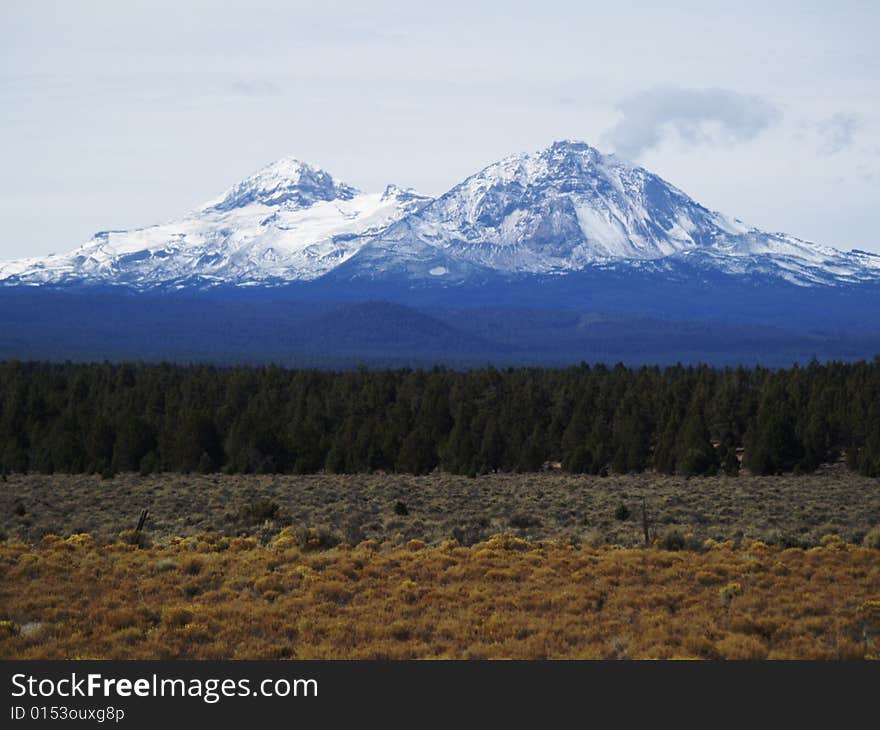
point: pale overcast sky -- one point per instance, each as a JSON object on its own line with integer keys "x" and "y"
{"x": 123, "y": 114}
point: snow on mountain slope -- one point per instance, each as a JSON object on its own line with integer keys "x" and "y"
{"x": 289, "y": 221}
{"x": 563, "y": 209}
{"x": 567, "y": 208}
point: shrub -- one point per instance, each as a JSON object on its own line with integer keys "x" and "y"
{"x": 164, "y": 565}
{"x": 701, "y": 646}
{"x": 831, "y": 539}
{"x": 242, "y": 544}
{"x": 870, "y": 610}
{"x": 85, "y": 540}
{"x": 872, "y": 539}
{"x": 507, "y": 542}
{"x": 467, "y": 536}
{"x": 408, "y": 591}
{"x": 400, "y": 509}
{"x": 323, "y": 537}
{"x": 332, "y": 591}
{"x": 260, "y": 511}
{"x": 729, "y": 592}
{"x": 176, "y": 616}
{"x": 353, "y": 531}
{"x": 622, "y": 512}
{"x": 287, "y": 538}
{"x": 312, "y": 538}
{"x": 9, "y": 628}
{"x": 135, "y": 537}
{"x": 19, "y": 508}
{"x": 400, "y": 631}
{"x": 741, "y": 646}
{"x": 707, "y": 578}
{"x": 673, "y": 540}
{"x": 269, "y": 584}
{"x": 524, "y": 521}
{"x": 129, "y": 636}
{"x": 121, "y": 618}
{"x": 791, "y": 540}
{"x": 192, "y": 566}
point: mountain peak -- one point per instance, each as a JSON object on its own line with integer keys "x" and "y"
{"x": 567, "y": 208}
{"x": 566, "y": 161}
{"x": 577, "y": 157}
{"x": 571, "y": 145}
{"x": 288, "y": 166}
{"x": 288, "y": 181}
{"x": 403, "y": 194}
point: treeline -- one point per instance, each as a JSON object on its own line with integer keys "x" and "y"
{"x": 686, "y": 420}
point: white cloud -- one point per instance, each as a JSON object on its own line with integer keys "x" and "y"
{"x": 838, "y": 132}
{"x": 697, "y": 116}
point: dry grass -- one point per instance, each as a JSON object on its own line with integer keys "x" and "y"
{"x": 262, "y": 567}
{"x": 787, "y": 510}
{"x": 208, "y": 596}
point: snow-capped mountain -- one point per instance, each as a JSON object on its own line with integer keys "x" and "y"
{"x": 289, "y": 221}
{"x": 565, "y": 209}
{"x": 570, "y": 208}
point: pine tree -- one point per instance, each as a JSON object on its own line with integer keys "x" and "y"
{"x": 772, "y": 445}
{"x": 416, "y": 453}
{"x": 696, "y": 455}
{"x": 665, "y": 456}
{"x": 492, "y": 446}
{"x": 136, "y": 438}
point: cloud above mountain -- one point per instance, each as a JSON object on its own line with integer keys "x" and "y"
{"x": 696, "y": 116}
{"x": 838, "y": 132}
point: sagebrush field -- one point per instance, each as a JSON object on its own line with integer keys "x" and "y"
{"x": 212, "y": 597}
{"x": 790, "y": 511}
{"x": 394, "y": 566}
